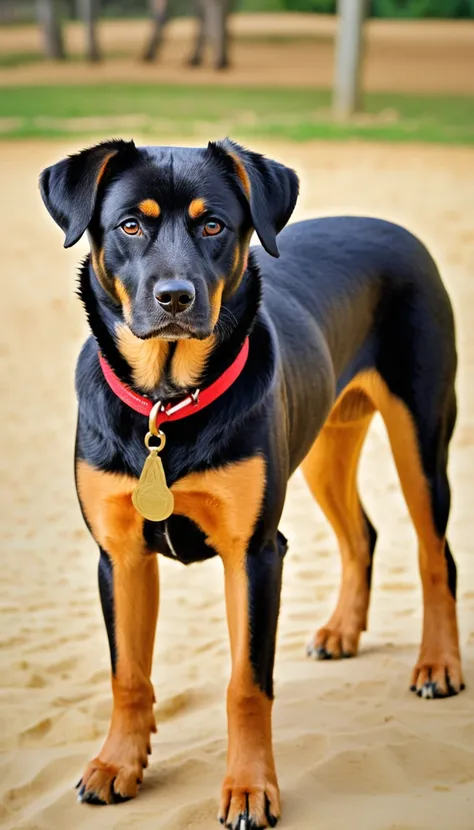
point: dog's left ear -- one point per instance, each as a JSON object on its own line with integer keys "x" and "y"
{"x": 69, "y": 188}
{"x": 270, "y": 187}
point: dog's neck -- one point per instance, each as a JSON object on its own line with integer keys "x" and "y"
{"x": 161, "y": 369}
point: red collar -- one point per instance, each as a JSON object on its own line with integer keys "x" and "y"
{"x": 188, "y": 406}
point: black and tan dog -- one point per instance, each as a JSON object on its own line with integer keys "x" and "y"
{"x": 351, "y": 319}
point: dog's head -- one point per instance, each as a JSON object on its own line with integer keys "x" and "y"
{"x": 169, "y": 227}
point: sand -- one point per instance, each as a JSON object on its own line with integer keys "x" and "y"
{"x": 279, "y": 50}
{"x": 353, "y": 747}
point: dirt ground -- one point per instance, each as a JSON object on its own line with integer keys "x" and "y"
{"x": 294, "y": 50}
{"x": 354, "y": 747}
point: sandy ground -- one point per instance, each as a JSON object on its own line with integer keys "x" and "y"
{"x": 353, "y": 747}
{"x": 282, "y": 50}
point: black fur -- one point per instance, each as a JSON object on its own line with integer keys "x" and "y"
{"x": 106, "y": 590}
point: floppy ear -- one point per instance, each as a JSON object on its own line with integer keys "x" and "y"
{"x": 270, "y": 188}
{"x": 69, "y": 188}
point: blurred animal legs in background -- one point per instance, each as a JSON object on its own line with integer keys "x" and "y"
{"x": 159, "y": 14}
{"x": 47, "y": 12}
{"x": 212, "y": 17}
{"x": 88, "y": 11}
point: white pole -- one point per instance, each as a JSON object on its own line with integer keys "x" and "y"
{"x": 349, "y": 49}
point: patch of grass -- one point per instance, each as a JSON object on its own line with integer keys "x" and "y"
{"x": 10, "y": 60}
{"x": 295, "y": 114}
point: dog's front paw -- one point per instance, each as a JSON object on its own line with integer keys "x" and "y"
{"x": 116, "y": 774}
{"x": 249, "y": 801}
{"x": 440, "y": 676}
{"x": 104, "y": 783}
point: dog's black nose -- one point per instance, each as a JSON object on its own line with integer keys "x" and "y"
{"x": 175, "y": 296}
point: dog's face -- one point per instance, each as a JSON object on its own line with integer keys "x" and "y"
{"x": 169, "y": 227}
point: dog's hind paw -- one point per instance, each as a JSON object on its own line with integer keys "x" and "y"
{"x": 329, "y": 644}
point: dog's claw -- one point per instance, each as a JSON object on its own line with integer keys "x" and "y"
{"x": 318, "y": 652}
{"x": 431, "y": 691}
{"x": 89, "y": 798}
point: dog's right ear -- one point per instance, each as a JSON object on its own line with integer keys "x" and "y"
{"x": 69, "y": 188}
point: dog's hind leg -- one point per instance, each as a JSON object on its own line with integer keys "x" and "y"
{"x": 330, "y": 469}
{"x": 419, "y": 435}
{"x": 128, "y": 582}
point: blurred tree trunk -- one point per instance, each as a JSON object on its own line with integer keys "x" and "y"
{"x": 49, "y": 19}
{"x": 349, "y": 55}
{"x": 88, "y": 12}
{"x": 159, "y": 14}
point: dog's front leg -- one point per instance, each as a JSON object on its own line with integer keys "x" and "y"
{"x": 252, "y": 583}
{"x": 128, "y": 582}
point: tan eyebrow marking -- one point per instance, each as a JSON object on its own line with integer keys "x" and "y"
{"x": 196, "y": 208}
{"x": 150, "y": 208}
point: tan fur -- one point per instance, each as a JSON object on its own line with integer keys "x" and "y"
{"x": 191, "y": 356}
{"x": 124, "y": 298}
{"x": 98, "y": 264}
{"x": 189, "y": 361}
{"x": 242, "y": 173}
{"x": 440, "y": 648}
{"x": 226, "y": 503}
{"x": 150, "y": 208}
{"x": 240, "y": 260}
{"x": 197, "y": 208}
{"x": 145, "y": 357}
{"x": 330, "y": 469}
{"x": 103, "y": 166}
{"x": 118, "y": 528}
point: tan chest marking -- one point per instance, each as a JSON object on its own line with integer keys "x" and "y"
{"x": 106, "y": 500}
{"x": 146, "y": 358}
{"x": 225, "y": 503}
{"x": 190, "y": 360}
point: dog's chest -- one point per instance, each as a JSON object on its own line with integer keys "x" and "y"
{"x": 178, "y": 538}
{"x": 214, "y": 512}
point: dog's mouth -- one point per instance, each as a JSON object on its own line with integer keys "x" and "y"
{"x": 172, "y": 331}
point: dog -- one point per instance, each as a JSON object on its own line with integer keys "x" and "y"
{"x": 254, "y": 362}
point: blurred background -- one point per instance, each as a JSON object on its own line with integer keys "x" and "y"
{"x": 289, "y": 69}
{"x": 374, "y": 108}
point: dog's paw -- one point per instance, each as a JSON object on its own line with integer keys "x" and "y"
{"x": 333, "y": 643}
{"x": 116, "y": 774}
{"x": 246, "y": 807}
{"x": 437, "y": 678}
{"x": 105, "y": 783}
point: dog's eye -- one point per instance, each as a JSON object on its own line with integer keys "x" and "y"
{"x": 212, "y": 228}
{"x": 131, "y": 227}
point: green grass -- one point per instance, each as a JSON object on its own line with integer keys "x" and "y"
{"x": 295, "y": 114}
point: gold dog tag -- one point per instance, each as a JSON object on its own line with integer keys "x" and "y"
{"x": 152, "y": 497}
